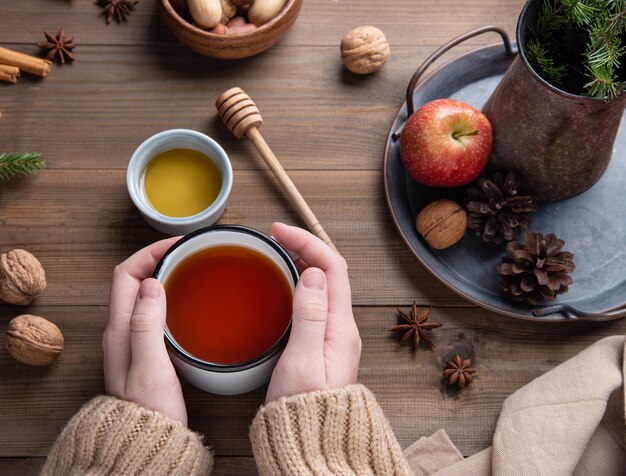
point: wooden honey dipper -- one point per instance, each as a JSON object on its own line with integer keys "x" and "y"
{"x": 243, "y": 119}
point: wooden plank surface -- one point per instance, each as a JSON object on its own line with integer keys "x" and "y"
{"x": 321, "y": 22}
{"x": 508, "y": 353}
{"x": 316, "y": 115}
{"x": 86, "y": 224}
{"x": 328, "y": 128}
{"x": 233, "y": 466}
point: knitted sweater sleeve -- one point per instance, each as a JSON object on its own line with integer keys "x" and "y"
{"x": 114, "y": 437}
{"x": 341, "y": 431}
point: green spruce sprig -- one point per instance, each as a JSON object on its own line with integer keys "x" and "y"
{"x": 538, "y": 55}
{"x": 16, "y": 164}
{"x": 577, "y": 45}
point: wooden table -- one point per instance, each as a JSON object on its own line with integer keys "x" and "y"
{"x": 327, "y": 126}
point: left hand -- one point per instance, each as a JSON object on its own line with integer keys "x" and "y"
{"x": 324, "y": 347}
{"x": 136, "y": 365}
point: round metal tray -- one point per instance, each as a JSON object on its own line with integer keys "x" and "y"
{"x": 592, "y": 224}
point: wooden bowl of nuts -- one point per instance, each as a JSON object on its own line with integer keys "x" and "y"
{"x": 229, "y": 29}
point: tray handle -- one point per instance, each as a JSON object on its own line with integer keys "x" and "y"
{"x": 616, "y": 312}
{"x": 448, "y": 46}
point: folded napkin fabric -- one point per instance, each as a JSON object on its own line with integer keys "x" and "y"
{"x": 570, "y": 420}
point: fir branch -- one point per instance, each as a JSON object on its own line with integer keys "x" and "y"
{"x": 604, "y": 50}
{"x": 580, "y": 12}
{"x": 16, "y": 164}
{"x": 604, "y": 82}
{"x": 577, "y": 45}
{"x": 540, "y": 59}
{"x": 619, "y": 17}
{"x": 548, "y": 20}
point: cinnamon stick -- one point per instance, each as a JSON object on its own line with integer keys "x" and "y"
{"x": 9, "y": 73}
{"x": 24, "y": 62}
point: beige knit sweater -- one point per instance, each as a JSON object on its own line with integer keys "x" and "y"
{"x": 113, "y": 437}
{"x": 341, "y": 431}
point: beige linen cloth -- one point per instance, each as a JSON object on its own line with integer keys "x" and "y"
{"x": 569, "y": 421}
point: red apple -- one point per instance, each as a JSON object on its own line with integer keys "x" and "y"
{"x": 445, "y": 143}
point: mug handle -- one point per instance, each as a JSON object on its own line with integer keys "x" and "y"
{"x": 448, "y": 46}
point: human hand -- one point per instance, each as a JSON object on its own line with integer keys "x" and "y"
{"x": 136, "y": 365}
{"x": 324, "y": 347}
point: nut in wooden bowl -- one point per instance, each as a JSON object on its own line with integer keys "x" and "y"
{"x": 365, "y": 50}
{"x": 22, "y": 277}
{"x": 442, "y": 223}
{"x": 248, "y": 42}
{"x": 33, "y": 340}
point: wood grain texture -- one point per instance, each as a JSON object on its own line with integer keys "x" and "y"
{"x": 95, "y": 113}
{"x": 224, "y": 466}
{"x": 21, "y": 466}
{"x": 327, "y": 127}
{"x": 321, "y": 22}
{"x": 81, "y": 223}
{"x": 36, "y": 402}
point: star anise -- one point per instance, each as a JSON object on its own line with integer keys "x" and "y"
{"x": 415, "y": 326}
{"x": 58, "y": 46}
{"x": 118, "y": 9}
{"x": 459, "y": 372}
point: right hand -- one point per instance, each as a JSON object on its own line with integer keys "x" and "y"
{"x": 324, "y": 348}
{"x": 136, "y": 365}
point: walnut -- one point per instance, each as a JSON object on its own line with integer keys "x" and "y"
{"x": 442, "y": 223}
{"x": 22, "y": 277}
{"x": 365, "y": 50}
{"x": 33, "y": 340}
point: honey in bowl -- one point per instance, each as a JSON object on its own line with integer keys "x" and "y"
{"x": 227, "y": 304}
{"x": 181, "y": 182}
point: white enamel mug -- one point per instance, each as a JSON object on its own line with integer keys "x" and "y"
{"x": 241, "y": 377}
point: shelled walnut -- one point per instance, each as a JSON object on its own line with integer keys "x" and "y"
{"x": 365, "y": 50}
{"x": 33, "y": 340}
{"x": 22, "y": 277}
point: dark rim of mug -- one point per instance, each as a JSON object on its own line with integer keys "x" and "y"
{"x": 521, "y": 33}
{"x": 247, "y": 364}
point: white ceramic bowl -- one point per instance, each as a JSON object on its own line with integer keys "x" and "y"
{"x": 174, "y": 139}
{"x": 242, "y": 377}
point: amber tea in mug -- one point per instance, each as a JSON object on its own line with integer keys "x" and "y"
{"x": 227, "y": 304}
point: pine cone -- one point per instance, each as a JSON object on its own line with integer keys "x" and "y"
{"x": 537, "y": 270}
{"x": 496, "y": 211}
